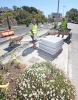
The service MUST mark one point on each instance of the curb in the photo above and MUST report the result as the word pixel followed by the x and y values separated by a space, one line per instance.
pixel 69 70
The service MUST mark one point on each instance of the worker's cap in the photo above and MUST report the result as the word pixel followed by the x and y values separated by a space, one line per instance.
pixel 63 17
pixel 33 20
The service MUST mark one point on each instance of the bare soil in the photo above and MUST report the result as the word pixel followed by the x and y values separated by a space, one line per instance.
pixel 10 73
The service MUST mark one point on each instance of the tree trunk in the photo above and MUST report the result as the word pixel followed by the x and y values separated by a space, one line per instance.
pixel 9 27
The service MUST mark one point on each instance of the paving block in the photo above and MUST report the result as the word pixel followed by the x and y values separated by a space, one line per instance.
pixel 51 44
pixel 50 50
pixel 52 41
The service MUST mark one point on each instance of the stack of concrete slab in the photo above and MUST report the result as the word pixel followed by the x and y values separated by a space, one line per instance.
pixel 51 44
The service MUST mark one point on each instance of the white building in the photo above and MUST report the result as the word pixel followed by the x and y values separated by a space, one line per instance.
pixel 54 15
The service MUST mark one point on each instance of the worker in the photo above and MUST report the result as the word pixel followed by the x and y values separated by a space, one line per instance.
pixel 33 32
pixel 63 27
pixel 55 25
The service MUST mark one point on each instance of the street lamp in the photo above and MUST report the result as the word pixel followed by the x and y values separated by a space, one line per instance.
pixel 58 12
pixel 63 10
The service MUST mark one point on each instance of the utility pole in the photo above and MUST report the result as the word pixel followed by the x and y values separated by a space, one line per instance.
pixel 63 10
pixel 58 12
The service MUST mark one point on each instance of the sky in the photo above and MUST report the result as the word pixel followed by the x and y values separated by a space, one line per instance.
pixel 47 6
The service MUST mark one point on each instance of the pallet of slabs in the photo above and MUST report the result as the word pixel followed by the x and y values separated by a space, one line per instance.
pixel 51 45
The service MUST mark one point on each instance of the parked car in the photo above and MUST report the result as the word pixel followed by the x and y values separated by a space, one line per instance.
pixel 72 21
pixel 48 24
pixel 76 22
pixel 42 26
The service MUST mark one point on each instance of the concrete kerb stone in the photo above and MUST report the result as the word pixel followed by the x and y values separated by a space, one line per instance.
pixel 70 69
pixel 66 62
pixel 9 54
pixel 69 66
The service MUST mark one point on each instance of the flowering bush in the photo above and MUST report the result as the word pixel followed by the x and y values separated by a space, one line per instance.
pixel 42 81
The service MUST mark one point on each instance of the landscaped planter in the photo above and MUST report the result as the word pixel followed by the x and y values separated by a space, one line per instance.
pixel 44 82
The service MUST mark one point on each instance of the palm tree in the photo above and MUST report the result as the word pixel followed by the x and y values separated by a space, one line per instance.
pixel 8 15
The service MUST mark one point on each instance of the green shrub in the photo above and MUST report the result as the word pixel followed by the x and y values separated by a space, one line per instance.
pixel 15 63
pixel 27 24
pixel 43 81
pixel 6 67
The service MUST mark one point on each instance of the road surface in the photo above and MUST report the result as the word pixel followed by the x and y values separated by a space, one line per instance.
pixel 73 57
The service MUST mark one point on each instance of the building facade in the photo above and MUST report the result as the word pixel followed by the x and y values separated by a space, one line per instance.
pixel 54 15
pixel 3 9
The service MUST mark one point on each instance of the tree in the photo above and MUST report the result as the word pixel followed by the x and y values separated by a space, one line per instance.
pixel 26 8
pixel 72 13
pixel 15 8
pixel 24 15
pixel 14 14
pixel 77 18
pixel 33 9
pixel 8 15
pixel 51 19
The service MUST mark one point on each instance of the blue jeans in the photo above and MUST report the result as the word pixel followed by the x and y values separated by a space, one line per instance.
pixel 34 38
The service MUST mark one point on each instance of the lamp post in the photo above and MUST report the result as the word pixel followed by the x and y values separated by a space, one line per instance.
pixel 63 10
pixel 58 12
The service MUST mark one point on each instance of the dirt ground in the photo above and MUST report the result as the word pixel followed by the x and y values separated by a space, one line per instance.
pixel 10 73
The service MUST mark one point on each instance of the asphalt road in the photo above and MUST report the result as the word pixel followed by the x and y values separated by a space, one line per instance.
pixel 73 57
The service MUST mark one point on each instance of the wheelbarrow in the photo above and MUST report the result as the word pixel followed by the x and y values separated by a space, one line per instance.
pixel 13 41
pixel 68 33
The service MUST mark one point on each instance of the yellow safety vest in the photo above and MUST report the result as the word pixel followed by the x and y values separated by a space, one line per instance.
pixel 63 25
pixel 55 24
pixel 34 29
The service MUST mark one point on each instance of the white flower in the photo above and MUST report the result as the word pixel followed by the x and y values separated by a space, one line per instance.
pixel 38 92
pixel 56 88
pixel 20 91
pixel 25 95
pixel 29 87
pixel 50 88
pixel 53 90
pixel 24 84
pixel 33 87
pixel 58 85
pixel 53 94
pixel 40 89
pixel 52 80
pixel 21 88
pixel 35 94
pixel 41 92
pixel 48 92
pixel 31 98
pixel 48 85
pixel 62 91
pixel 30 95
pixel 39 74
pixel 43 75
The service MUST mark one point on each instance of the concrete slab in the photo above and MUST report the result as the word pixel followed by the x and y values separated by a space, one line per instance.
pixel 51 44
pixel 49 49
